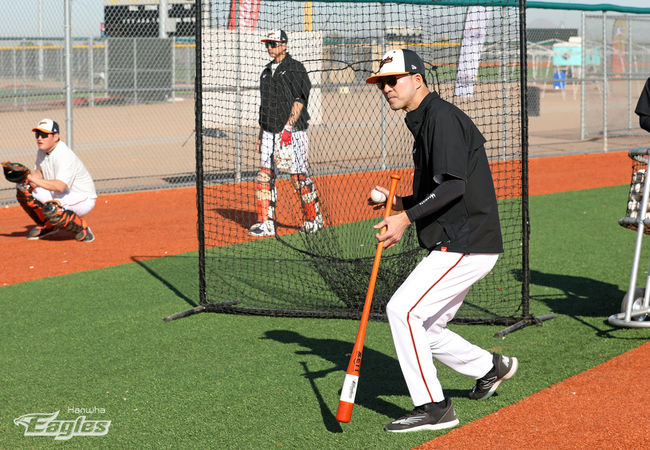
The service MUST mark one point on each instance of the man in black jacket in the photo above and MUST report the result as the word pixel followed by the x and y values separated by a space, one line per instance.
pixel 454 208
pixel 283 142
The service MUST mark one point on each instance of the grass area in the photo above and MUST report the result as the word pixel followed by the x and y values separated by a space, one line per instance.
pixel 96 339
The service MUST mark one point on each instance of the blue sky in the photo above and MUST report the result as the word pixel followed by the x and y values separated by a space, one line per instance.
pixel 20 17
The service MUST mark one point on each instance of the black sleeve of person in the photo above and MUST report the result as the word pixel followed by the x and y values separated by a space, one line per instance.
pixel 449 190
pixel 407 202
pixel 301 86
pixel 644 122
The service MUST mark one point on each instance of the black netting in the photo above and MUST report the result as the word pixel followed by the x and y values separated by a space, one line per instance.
pixel 355 141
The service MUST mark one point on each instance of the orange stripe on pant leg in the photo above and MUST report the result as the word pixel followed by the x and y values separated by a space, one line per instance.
pixel 417 356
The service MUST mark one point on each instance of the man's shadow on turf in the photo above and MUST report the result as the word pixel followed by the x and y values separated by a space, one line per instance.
pixel 579 297
pixel 380 375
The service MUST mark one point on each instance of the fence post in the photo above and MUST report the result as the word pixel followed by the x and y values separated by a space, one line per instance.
pixel 135 70
pixel 173 44
pixel 628 66
pixel 91 73
pixel 583 74
pixel 504 94
pixel 384 151
pixel 24 71
pixel 69 129
pixel 162 19
pixel 15 71
pixel 40 42
pixel 604 81
pixel 238 145
pixel 108 94
pixel 188 68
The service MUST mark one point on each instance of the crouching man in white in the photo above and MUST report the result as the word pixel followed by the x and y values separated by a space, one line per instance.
pixel 59 192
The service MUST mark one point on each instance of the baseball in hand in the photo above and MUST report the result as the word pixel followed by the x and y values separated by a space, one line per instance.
pixel 377 196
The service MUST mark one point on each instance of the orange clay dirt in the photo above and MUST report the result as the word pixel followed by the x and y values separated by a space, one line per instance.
pixel 572 414
pixel 142 225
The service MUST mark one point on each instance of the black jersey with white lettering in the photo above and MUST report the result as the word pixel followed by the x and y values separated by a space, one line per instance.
pixel 448 144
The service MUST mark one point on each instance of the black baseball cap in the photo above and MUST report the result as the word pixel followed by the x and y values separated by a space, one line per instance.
pixel 398 62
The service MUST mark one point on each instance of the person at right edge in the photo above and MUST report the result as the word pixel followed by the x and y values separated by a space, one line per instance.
pixel 643 107
pixel 454 207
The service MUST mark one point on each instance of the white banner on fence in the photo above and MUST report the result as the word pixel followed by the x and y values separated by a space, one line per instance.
pixel 471 49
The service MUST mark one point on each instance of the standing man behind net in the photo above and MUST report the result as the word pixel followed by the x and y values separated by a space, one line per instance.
pixel 283 142
pixel 454 208
pixel 60 191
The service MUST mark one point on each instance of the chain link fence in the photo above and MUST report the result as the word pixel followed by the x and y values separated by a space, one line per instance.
pixel 132 120
pixel 584 83
pixel 132 82
pixel 612 84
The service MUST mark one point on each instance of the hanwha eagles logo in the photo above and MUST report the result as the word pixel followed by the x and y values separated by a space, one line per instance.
pixel 385 61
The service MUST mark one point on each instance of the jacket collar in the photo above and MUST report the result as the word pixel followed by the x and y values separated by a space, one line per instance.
pixel 414 119
pixel 286 58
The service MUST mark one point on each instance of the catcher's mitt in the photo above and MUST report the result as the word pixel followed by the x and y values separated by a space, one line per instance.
pixel 15 172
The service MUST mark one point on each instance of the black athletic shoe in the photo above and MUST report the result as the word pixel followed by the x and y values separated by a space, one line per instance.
pixel 430 416
pixel 503 369
pixel 85 235
pixel 39 232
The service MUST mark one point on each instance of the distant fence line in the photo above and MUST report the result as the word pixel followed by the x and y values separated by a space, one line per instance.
pixel 24 63
pixel 602 69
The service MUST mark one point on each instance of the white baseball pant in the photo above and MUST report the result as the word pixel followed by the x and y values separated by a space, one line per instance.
pixel 418 313
pixel 80 204
pixel 300 142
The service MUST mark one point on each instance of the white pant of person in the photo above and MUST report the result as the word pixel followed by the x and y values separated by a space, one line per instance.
pixel 418 313
pixel 300 143
pixel 80 204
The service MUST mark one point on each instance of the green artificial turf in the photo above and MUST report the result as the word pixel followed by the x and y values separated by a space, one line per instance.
pixel 96 340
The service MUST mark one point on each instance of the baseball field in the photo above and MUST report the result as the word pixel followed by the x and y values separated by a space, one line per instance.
pixel 83 336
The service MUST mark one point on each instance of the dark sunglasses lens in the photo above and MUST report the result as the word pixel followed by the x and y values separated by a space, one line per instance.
pixel 40 134
pixel 271 44
pixel 390 81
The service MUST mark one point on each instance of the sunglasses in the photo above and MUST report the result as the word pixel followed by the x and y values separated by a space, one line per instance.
pixel 271 44
pixel 390 80
pixel 42 134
